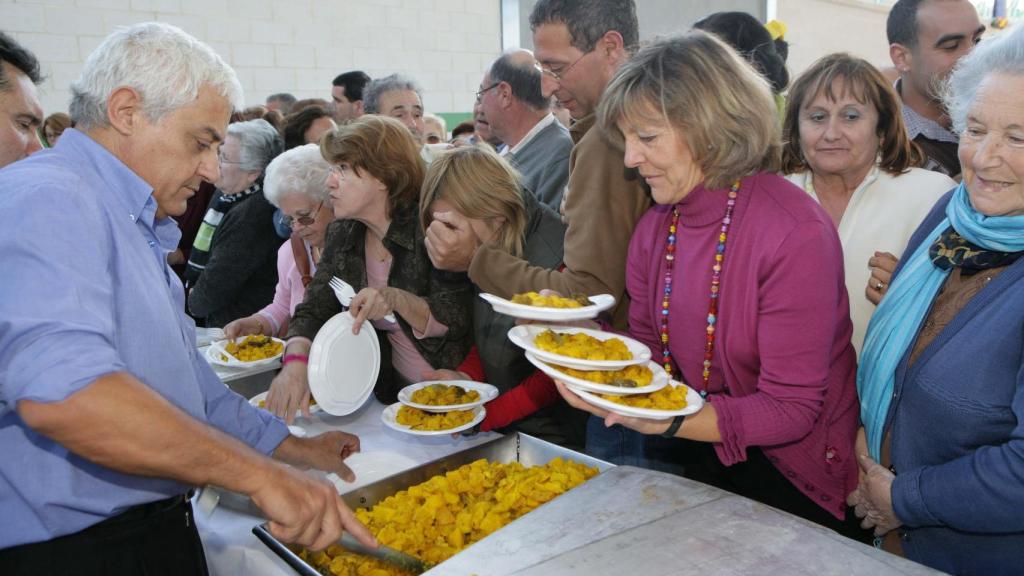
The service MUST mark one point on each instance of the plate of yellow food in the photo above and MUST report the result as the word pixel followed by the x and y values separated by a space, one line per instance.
pixel 551 308
pixel 579 348
pixel 414 421
pixel 248 351
pixel 260 401
pixel 675 399
pixel 447 395
pixel 635 379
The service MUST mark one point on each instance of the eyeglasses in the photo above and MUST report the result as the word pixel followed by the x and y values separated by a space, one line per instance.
pixel 559 75
pixel 480 94
pixel 304 219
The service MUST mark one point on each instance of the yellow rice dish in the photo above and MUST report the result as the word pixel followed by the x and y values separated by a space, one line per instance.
pixel 442 516
pixel 668 398
pixel 536 299
pixel 582 346
pixel 444 395
pixel 427 421
pixel 254 347
pixel 635 376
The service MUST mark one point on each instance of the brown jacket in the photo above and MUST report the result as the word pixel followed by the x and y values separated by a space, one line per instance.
pixel 605 202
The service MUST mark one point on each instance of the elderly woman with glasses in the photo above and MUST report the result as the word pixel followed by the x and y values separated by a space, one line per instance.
pixel 941 377
pixel 232 269
pixel 296 183
pixel 376 245
pixel 736 280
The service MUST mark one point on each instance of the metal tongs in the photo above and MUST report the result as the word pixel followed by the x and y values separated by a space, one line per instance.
pixel 209 498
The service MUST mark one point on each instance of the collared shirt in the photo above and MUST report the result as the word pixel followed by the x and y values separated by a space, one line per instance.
pixel 542 124
pixel 919 125
pixel 88 292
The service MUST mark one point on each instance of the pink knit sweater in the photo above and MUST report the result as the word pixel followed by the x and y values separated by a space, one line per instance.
pixel 783 372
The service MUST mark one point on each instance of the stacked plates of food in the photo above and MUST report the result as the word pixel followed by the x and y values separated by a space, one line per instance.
pixel 439 407
pixel 246 351
pixel 551 307
pixel 607 370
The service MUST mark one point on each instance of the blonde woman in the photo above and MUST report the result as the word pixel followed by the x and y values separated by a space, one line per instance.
pixel 478 185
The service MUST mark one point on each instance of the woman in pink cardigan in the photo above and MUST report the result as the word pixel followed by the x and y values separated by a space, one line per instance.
pixel 296 182
pixel 738 270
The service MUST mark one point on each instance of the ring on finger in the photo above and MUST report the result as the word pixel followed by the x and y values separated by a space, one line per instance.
pixel 879 285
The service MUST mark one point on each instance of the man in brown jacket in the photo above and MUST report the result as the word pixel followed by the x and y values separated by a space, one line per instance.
pixel 579 46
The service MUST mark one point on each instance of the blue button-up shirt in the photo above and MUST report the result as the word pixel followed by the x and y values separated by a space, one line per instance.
pixel 87 292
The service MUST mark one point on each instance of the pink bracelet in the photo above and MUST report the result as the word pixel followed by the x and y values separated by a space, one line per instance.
pixel 295 358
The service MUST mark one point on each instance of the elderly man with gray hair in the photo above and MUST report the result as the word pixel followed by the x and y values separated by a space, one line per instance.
pixel 232 271
pixel 399 97
pixel 511 102
pixel 108 416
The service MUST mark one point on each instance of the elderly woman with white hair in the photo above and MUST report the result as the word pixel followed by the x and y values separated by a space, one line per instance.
pixel 232 270
pixel 296 183
pixel 941 377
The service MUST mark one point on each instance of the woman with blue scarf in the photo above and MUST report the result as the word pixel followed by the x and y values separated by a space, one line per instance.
pixel 941 378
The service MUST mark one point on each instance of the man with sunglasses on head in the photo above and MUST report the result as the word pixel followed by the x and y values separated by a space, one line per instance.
pixel 579 45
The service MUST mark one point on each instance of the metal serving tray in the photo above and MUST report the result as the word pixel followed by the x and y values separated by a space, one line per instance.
pixel 517 447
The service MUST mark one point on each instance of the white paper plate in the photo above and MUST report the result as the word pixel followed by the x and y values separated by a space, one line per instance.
pixel 658 381
pixel 487 393
pixel 523 336
pixel 693 403
pixel 601 302
pixel 216 354
pixel 262 397
pixel 343 367
pixel 390 414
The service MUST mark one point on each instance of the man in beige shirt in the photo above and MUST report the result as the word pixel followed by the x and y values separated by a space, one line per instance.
pixel 579 46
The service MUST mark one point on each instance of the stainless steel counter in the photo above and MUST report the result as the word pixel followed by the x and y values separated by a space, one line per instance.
pixel 630 521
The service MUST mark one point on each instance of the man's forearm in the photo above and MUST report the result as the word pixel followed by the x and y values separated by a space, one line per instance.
pixel 120 423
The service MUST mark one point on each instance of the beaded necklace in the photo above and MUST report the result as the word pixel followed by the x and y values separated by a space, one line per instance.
pixel 716 281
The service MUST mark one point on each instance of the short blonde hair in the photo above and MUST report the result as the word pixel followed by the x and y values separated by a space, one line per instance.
pixel 715 99
pixel 482 186
pixel 382 147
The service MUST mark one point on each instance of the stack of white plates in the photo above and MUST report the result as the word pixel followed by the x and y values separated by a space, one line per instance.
pixel 487 393
pixel 551 364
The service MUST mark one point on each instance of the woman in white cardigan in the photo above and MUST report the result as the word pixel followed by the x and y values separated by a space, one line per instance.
pixel 847 146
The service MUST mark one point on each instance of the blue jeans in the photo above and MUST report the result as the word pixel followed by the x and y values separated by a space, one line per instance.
pixel 624 447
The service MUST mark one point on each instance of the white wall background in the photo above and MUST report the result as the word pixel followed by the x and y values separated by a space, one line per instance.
pixel 295 46
pixel 819 27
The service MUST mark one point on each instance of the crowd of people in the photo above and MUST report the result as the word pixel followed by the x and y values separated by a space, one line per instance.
pixel 831 262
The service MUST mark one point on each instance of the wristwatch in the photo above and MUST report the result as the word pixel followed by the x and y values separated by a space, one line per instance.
pixel 673 427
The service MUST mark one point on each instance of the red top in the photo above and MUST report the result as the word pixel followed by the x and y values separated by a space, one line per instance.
pixel 535 392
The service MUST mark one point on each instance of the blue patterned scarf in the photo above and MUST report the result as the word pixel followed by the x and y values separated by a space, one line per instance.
pixel 895 322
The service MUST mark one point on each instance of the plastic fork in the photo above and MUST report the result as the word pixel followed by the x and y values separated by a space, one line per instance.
pixel 344 292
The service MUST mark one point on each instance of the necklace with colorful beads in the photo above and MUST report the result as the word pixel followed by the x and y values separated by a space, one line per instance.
pixel 716 282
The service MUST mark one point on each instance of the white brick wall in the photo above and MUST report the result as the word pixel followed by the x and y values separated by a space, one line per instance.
pixel 295 46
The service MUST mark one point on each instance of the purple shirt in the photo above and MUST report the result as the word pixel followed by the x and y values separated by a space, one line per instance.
pixel 87 291
pixel 783 371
